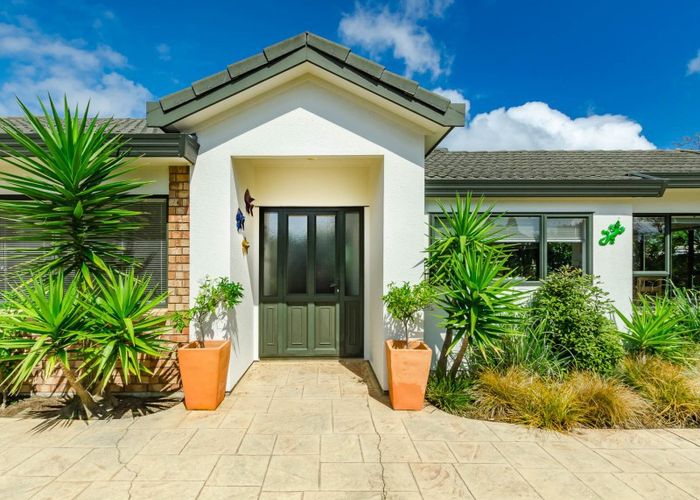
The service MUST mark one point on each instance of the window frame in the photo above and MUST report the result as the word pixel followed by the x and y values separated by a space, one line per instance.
pixel 543 217
pixel 668 218
pixel 165 199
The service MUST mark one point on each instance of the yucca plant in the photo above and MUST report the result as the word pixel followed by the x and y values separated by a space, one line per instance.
pixel 655 327
pixel 45 324
pixel 687 304
pixel 465 227
pixel 481 303
pixel 70 169
pixel 121 329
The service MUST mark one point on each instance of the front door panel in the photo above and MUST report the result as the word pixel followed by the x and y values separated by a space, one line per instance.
pixel 311 282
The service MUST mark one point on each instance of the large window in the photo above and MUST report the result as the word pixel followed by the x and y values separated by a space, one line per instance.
pixel 666 249
pixel 541 244
pixel 148 245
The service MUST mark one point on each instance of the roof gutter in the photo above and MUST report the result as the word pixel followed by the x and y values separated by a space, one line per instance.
pixel 168 145
pixel 633 187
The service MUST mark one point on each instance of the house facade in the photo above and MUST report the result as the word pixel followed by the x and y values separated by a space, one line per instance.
pixel 309 174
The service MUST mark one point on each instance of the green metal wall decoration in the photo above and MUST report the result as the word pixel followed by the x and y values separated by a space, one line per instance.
pixel 612 232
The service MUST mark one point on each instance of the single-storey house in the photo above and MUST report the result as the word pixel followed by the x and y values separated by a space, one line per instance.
pixel 335 163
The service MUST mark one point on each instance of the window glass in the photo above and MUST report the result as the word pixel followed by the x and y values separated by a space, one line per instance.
pixel 522 233
pixel 352 253
pixel 685 251
pixel 649 243
pixel 297 229
pixel 270 239
pixel 325 268
pixel 566 242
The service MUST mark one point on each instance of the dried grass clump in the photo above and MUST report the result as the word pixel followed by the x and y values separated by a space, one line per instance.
pixel 584 399
pixel 673 392
pixel 606 402
pixel 519 397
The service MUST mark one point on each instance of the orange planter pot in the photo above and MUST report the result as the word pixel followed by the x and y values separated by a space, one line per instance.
pixel 203 371
pixel 408 373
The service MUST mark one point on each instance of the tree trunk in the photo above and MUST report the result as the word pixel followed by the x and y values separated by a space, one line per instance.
pixel 457 363
pixel 442 360
pixel 85 397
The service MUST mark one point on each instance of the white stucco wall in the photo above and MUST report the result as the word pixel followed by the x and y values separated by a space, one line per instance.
pixel 611 263
pixel 363 156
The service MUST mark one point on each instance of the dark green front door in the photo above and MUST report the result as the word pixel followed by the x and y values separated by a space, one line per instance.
pixel 311 282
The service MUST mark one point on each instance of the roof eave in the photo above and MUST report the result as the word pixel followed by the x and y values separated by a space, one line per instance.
pixel 547 188
pixel 166 145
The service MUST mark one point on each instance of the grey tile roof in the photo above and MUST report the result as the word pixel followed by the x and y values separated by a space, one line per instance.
pixel 305 47
pixel 121 125
pixel 444 165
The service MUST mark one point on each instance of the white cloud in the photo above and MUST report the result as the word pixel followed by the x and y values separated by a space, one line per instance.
pixel 163 50
pixel 694 64
pixel 41 64
pixel 400 32
pixel 535 125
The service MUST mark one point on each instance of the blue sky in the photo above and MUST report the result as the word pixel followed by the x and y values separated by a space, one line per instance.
pixel 536 74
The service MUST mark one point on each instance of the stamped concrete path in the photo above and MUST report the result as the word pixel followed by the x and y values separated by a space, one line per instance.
pixel 317 430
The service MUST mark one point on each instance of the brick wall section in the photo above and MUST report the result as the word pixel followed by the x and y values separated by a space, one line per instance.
pixel 166 376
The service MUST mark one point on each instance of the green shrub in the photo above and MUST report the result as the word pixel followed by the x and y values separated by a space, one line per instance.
pixel 606 402
pixel 452 395
pixel 213 295
pixel 404 302
pixel 527 347
pixel 687 305
pixel 577 312
pixel 673 393
pixel 655 328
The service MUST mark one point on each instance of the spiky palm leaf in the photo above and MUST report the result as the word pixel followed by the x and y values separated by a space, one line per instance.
pixel 70 169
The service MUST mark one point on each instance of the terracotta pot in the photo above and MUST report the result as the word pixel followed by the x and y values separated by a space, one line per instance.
pixel 203 371
pixel 408 373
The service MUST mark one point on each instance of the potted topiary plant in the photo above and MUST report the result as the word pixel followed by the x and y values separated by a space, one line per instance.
pixel 408 361
pixel 204 363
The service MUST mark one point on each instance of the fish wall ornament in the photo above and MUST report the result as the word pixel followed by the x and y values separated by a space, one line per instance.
pixel 240 220
pixel 611 233
pixel 248 202
pixel 245 245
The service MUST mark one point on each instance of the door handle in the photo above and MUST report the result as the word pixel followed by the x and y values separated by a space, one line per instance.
pixel 335 285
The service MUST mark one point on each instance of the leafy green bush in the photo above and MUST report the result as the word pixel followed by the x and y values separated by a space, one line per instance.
pixel 576 312
pixel 452 395
pixel 83 330
pixel 404 302
pixel 671 390
pixel 214 294
pixel 527 346
pixel 655 327
pixel 687 304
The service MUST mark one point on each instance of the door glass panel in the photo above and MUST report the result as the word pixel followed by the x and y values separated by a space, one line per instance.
pixel 297 228
pixel 270 235
pixel 352 254
pixel 325 279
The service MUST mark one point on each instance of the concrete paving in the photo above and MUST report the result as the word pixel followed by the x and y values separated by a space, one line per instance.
pixel 323 430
